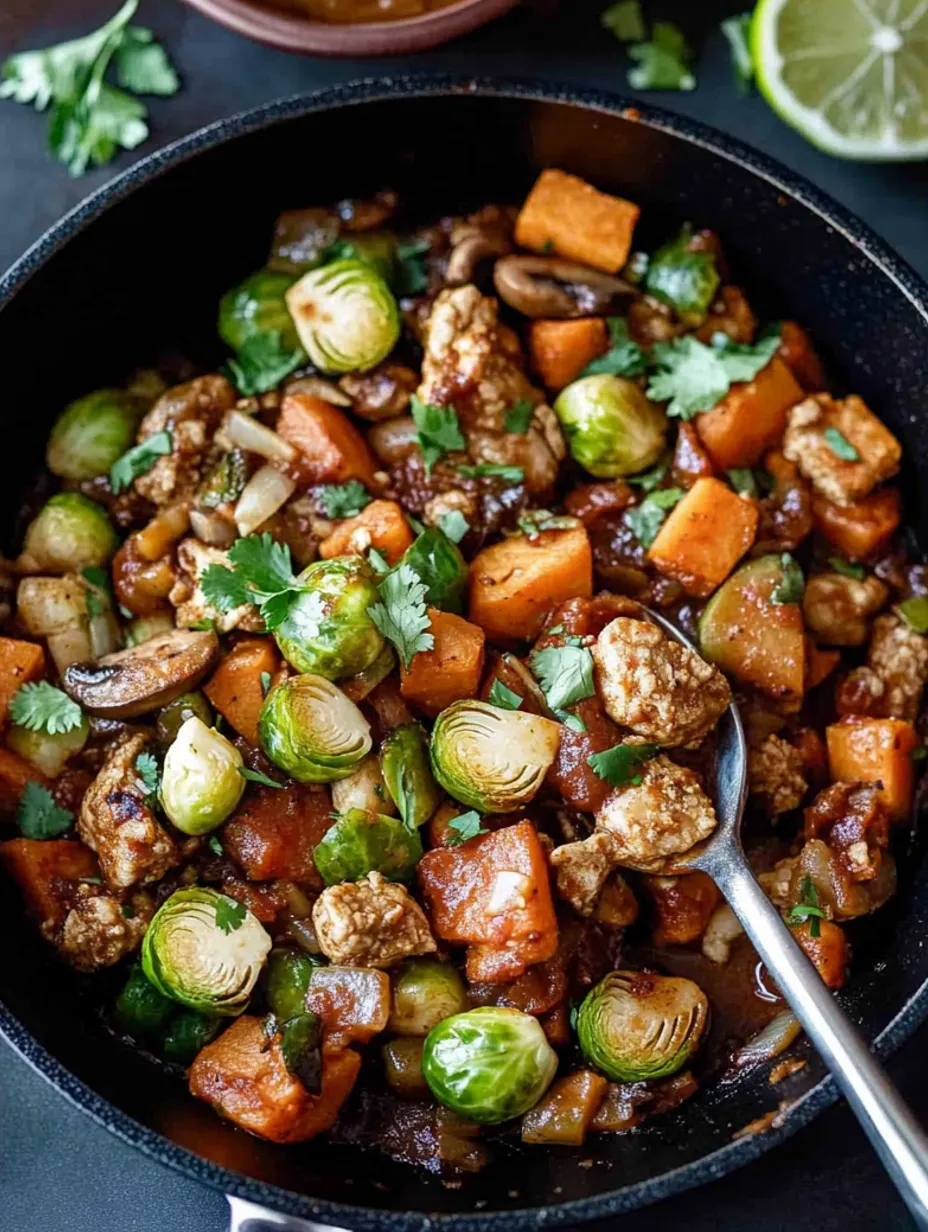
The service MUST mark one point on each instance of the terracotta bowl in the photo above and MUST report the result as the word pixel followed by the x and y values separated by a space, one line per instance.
pixel 291 32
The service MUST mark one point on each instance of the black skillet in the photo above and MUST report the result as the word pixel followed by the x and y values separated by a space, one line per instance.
pixel 137 270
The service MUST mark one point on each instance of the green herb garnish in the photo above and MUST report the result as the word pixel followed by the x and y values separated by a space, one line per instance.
pixel 40 707
pixel 344 500
pixel 617 765
pixel 139 460
pixel 39 816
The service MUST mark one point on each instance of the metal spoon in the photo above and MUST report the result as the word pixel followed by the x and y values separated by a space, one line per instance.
pixel 893 1131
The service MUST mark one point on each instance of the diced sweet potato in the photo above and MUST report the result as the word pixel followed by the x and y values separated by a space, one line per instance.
pixel 46 870
pixel 330 447
pixel 513 583
pixel 827 952
pixel 274 832
pixel 381 525
pixel 246 1080
pixel 560 350
pixel 797 351
pixel 492 893
pixel 750 418
pixel 236 688
pixel 819 663
pixel 875 751
pixel 450 670
pixel 704 536
pixel 20 663
pixel 859 529
pixel 562 1117
pixel 566 215
pixel 353 1002
pixel 690 460
pixel 15 773
pixel 682 906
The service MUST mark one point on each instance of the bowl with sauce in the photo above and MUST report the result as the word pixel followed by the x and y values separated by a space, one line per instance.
pixel 352 27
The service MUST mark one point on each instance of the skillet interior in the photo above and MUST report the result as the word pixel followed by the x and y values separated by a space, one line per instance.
pixel 145 277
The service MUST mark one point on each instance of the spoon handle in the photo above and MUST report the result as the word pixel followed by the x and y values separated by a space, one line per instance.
pixel 893 1131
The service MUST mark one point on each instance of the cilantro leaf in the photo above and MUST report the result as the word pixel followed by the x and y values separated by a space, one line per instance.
pixel 453 525
pixel 265 683
pixel 504 698
pixel 651 479
pixel 624 357
pixel 98 597
pixel 846 568
pixel 264 562
pixel 40 707
pixel 377 561
pixel 742 479
pixel 646 519
pixel 262 362
pixel 39 816
pixel 493 470
pixel 840 446
pixel 565 674
pixel 792 584
pixel 625 21
pixel 412 274
pixel 147 766
pixel 914 611
pixel 737 31
pixel 215 846
pixel 142 64
pixel 617 765
pixel 91 130
pixel 255 776
pixel 230 915
pixel 519 416
pixel 262 574
pixel 663 63
pixel 139 460
pixel 463 827
pixel 224 589
pixel 534 521
pixel 401 615
pixel 573 721
pixel 344 500
pixel 693 377
pixel 808 908
pixel 438 428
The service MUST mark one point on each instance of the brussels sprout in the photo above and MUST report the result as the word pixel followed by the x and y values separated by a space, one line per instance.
pixel 405 763
pixel 402 1067
pixel 635 1026
pixel 201 782
pixel 442 568
pixel 685 278
pixel 328 631
pixel 70 533
pixel 289 971
pixel 492 760
pixel 345 315
pixel 360 843
pixel 425 992
pixel 205 950
pixel 91 433
pixel 363 789
pixel 488 1065
pixel 257 306
pixel 140 1008
pixel 611 427
pixel 225 482
pixel 309 728
pixel 47 752
pixel 301 1048
pixel 188 1032
pixel 176 713
pixel 374 248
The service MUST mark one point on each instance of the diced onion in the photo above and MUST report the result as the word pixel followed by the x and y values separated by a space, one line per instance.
pixel 56 609
pixel 212 528
pixel 244 432
pixel 318 387
pixel 264 494
pixel 769 1042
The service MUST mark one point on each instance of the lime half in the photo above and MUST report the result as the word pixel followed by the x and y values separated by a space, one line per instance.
pixel 850 75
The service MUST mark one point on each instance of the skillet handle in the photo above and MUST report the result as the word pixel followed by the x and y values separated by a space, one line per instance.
pixel 888 1122
pixel 247 1217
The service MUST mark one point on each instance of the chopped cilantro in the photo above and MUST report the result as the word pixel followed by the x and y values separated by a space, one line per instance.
pixel 493 470
pixel 791 585
pixel 204 625
pixel 40 707
pixel 262 574
pixel 663 63
pixel 230 915
pixel 39 816
pixel 438 428
pixel 255 776
pixel 625 21
pixel 262 362
pixel 344 500
pixel 646 519
pixel 503 697
pixel 412 273
pixel 377 561
pixel 215 846
pixel 147 766
pixel 519 416
pixel 691 377
pixel 651 479
pixel 624 357
pixel 565 674
pixel 914 612
pixel 737 31
pixel 573 721
pixel 847 568
pixel 742 479
pixel 617 765
pixel 265 683
pixel 534 521
pixel 139 460
pixel 808 908
pixel 99 597
pixel 463 827
pixel 453 525
pixel 401 615
pixel 840 446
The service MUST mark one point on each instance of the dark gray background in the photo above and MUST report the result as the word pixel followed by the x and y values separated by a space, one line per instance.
pixel 58 1171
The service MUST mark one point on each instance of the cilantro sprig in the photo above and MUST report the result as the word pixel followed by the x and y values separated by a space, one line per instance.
pixel 565 674
pixel 230 914
pixel 792 583
pixel 39 816
pixel 146 765
pixel 737 31
pixel 624 357
pixel 617 765
pixel 663 62
pixel 463 827
pixel 808 908
pixel 401 615
pixel 646 519
pixel 691 377
pixel 262 362
pixel 344 500
pixel 40 707
pixel 519 416
pixel 262 574
pixel 453 525
pixel 503 697
pixel 139 460
pixel 493 470
pixel 439 430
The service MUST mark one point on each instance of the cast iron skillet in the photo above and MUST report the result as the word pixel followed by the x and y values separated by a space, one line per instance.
pixel 138 269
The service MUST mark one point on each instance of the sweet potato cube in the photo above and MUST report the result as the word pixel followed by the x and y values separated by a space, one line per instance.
pixel 20 663
pixel 45 870
pixel 751 417
pixel 330 447
pixel 515 582
pixel 15 773
pixel 875 751
pixel 862 528
pixel 381 525
pixel 353 1002
pixel 704 536
pixel 560 350
pixel 274 832
pixel 797 351
pixel 563 1115
pixel 567 215
pixel 450 670
pixel 236 688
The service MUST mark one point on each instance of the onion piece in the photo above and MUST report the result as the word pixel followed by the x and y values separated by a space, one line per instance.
pixel 212 528
pixel 264 494
pixel 769 1041
pixel 328 391
pixel 244 432
pixel 56 609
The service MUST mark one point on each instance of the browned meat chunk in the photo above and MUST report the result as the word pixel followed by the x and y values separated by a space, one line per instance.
pixel 841 447
pixel 370 923
pixel 854 822
pixel 99 930
pixel 581 870
pixel 382 393
pixel 191 413
pixel 838 609
pixel 775 774
pixel 892 683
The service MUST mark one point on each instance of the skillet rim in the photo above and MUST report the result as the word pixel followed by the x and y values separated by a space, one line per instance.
pixel 423 85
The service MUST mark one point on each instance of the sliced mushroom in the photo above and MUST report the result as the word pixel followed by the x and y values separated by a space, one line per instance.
pixel 144 678
pixel 470 250
pixel 553 287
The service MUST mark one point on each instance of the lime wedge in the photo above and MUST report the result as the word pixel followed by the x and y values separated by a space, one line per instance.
pixel 850 75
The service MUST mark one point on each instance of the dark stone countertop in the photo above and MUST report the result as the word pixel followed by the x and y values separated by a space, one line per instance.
pixel 58 1171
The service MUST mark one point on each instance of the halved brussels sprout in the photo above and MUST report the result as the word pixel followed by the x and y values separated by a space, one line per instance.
pixel 635 1026
pixel 442 568
pixel 188 1032
pixel 405 763
pixel 289 971
pixel 345 315
pixel 205 950
pixel 425 992
pixel 70 533
pixel 257 306
pixel 48 753
pixel 611 427
pixel 201 782
pixel 683 276
pixel 328 631
pixel 360 843
pixel 492 760
pixel 488 1065
pixel 176 713
pixel 91 433
pixel 309 728
pixel 140 1008
pixel 363 789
